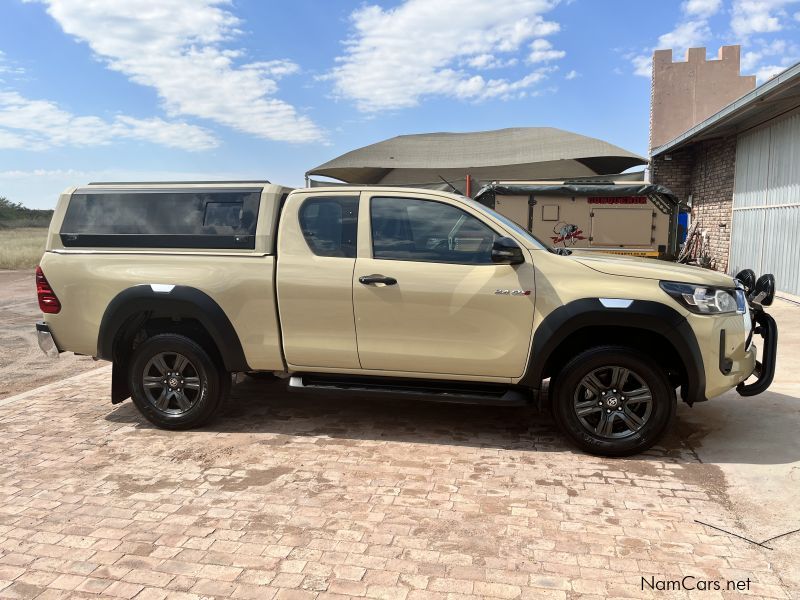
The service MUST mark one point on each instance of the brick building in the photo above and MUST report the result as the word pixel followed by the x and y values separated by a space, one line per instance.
pixel 732 153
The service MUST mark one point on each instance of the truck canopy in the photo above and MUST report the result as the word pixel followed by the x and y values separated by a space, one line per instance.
pixel 661 196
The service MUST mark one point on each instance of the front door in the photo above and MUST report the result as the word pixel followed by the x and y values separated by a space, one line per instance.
pixel 428 299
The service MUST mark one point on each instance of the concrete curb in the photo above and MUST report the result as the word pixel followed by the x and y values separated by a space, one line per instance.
pixel 56 385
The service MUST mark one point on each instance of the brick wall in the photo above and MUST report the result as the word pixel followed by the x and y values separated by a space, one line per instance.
pixel 675 173
pixel 712 195
pixel 705 171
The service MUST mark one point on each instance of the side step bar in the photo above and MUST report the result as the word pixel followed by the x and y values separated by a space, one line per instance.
pixel 455 392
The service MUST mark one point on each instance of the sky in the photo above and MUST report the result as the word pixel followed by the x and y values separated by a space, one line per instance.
pixel 246 89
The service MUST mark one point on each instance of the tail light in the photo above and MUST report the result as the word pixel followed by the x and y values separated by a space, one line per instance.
pixel 48 302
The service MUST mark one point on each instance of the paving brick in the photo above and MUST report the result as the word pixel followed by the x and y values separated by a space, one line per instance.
pixel 66 582
pixel 304 498
pixel 93 586
pixel 498 590
pixel 122 589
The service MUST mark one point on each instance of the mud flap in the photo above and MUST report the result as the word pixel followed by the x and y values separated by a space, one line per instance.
pixel 119 384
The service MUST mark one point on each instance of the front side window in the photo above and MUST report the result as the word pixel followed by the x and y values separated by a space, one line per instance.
pixel 330 225
pixel 428 231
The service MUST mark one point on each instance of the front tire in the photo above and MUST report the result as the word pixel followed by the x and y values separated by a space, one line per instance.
pixel 612 401
pixel 174 383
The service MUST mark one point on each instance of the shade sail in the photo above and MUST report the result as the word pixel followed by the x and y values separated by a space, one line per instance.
pixel 517 153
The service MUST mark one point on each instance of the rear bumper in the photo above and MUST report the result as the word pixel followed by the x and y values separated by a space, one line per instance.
pixel 46 342
pixel 766 327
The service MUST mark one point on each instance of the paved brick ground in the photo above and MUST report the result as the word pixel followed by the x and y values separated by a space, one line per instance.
pixel 291 496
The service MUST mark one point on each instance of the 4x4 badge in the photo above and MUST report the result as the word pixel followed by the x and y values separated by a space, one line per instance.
pixel 512 292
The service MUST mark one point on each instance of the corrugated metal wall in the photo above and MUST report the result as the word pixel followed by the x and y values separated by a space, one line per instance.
pixel 765 233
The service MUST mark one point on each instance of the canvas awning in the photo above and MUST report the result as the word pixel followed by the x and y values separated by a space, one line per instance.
pixel 517 153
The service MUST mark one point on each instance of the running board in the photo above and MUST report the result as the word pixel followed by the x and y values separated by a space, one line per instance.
pixel 456 392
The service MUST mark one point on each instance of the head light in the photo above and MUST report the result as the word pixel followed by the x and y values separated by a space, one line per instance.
pixel 706 300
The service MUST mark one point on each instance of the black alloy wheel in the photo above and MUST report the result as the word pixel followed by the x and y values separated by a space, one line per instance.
pixel 175 383
pixel 171 382
pixel 613 400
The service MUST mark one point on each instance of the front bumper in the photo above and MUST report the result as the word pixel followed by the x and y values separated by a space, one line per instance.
pixel 766 327
pixel 46 342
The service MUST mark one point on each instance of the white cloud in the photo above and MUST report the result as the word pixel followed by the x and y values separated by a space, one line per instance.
pixel 769 71
pixel 643 65
pixel 177 48
pixel 542 51
pixel 691 32
pixel 760 55
pixel 702 8
pixel 758 16
pixel 12 141
pixel 39 188
pixel 573 74
pixel 500 88
pixel 779 53
pixel 41 124
pixel 50 173
pixel 395 57
pixel 7 68
pixel 489 61
pixel 751 58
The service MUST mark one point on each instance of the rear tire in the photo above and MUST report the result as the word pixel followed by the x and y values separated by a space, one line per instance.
pixel 613 401
pixel 174 383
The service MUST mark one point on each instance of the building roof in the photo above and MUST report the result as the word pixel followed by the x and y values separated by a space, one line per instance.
pixel 510 149
pixel 771 99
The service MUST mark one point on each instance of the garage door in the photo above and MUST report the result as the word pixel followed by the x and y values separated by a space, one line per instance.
pixel 766 203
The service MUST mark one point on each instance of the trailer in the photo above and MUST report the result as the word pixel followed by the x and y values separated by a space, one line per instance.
pixel 617 217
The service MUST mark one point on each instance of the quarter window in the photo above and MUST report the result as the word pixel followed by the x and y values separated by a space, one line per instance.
pixel 428 231
pixel 330 225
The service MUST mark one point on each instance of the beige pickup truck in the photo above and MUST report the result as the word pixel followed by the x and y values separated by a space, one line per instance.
pixel 385 291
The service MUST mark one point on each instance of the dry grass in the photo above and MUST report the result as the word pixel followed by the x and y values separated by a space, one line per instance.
pixel 21 248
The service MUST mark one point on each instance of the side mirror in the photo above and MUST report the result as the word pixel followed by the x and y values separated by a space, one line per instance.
pixel 505 251
pixel 747 278
pixel 764 291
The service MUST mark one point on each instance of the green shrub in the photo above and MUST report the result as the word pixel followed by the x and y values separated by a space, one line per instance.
pixel 13 214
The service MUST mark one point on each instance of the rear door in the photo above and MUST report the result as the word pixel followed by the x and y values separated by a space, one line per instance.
pixel 316 257
pixel 625 227
pixel 427 297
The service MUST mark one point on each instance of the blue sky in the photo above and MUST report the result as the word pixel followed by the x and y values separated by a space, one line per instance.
pixel 188 89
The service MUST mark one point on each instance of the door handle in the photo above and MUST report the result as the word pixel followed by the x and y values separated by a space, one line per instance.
pixel 372 279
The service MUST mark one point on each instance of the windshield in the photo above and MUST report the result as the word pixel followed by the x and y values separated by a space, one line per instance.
pixel 510 224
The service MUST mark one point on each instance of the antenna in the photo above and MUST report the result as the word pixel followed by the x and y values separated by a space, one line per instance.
pixel 454 188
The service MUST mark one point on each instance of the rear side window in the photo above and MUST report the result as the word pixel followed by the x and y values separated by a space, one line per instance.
pixel 330 225
pixel 217 219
